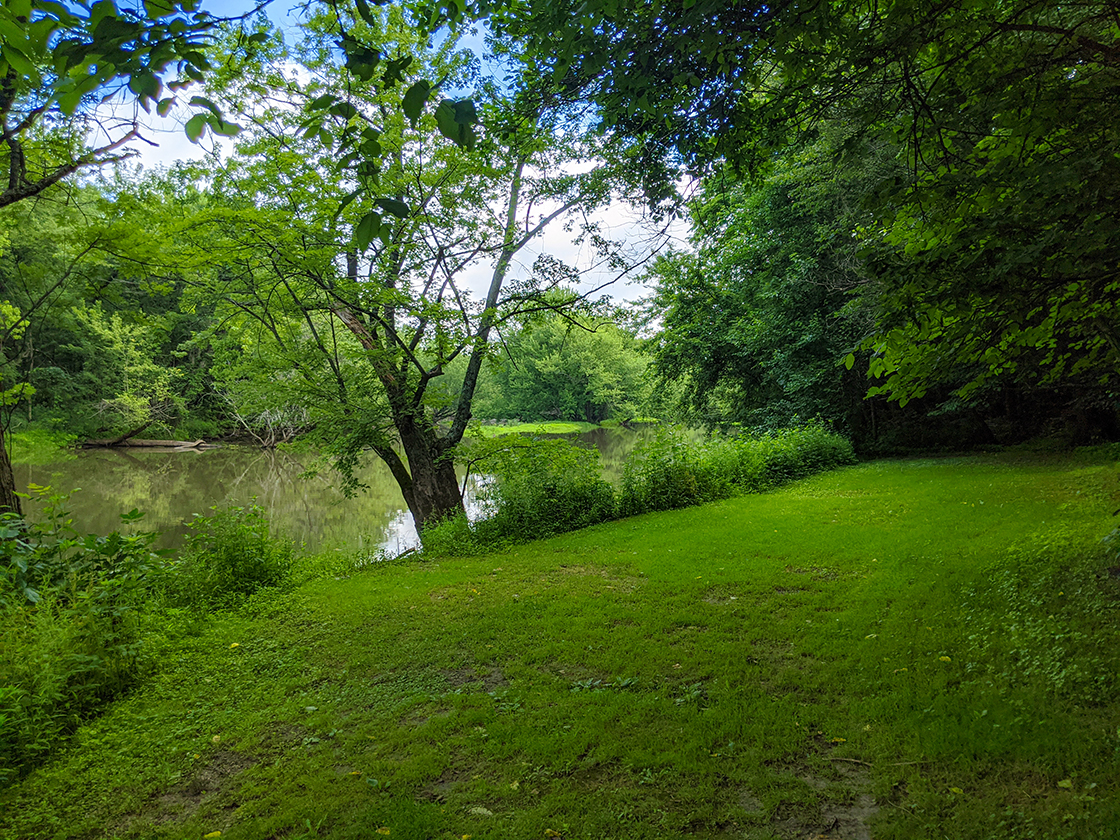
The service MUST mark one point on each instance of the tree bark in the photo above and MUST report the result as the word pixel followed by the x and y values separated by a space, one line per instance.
pixel 8 498
pixel 432 491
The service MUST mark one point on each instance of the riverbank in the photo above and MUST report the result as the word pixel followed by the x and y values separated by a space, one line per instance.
pixel 905 648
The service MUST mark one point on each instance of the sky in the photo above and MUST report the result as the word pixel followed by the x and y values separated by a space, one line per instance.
pixel 167 143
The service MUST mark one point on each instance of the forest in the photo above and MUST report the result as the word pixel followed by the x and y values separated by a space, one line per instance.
pixel 867 231
pixel 900 225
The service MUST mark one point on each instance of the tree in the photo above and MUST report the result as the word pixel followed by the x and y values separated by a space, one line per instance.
pixel 567 366
pixel 357 319
pixel 58 62
pixel 996 254
pixel 751 320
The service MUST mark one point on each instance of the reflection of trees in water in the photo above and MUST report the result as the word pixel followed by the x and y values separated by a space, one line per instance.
pixel 615 446
pixel 170 487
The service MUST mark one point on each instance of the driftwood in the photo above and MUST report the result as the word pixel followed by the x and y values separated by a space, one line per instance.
pixel 162 444
pixel 127 435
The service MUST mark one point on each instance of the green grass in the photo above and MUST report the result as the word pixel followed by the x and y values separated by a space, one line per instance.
pixel 927 648
pixel 555 427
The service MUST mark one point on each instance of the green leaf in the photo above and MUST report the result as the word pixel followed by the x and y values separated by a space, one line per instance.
pixel 195 126
pixel 158 8
pixel 224 127
pixel 465 113
pixel 19 62
pixel 393 205
pixel 849 360
pixel 414 100
pixel 347 201
pixel 367 228
pixel 163 108
pixel 203 102
pixel 454 121
pixel 364 11
pixel 344 110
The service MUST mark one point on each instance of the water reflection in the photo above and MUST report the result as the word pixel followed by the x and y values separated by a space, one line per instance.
pixel 170 487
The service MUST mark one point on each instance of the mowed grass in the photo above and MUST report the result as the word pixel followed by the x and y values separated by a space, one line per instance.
pixel 903 649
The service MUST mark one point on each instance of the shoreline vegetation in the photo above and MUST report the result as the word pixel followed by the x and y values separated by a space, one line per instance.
pixel 885 649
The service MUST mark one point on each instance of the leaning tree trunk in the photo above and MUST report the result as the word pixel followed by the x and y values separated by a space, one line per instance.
pixel 432 492
pixel 8 498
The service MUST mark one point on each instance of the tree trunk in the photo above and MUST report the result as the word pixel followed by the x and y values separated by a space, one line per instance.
pixel 432 492
pixel 8 498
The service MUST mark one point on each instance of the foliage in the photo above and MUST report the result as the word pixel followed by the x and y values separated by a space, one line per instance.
pixel 566 367
pixel 673 469
pixel 229 555
pixel 754 320
pixel 1036 621
pixel 536 488
pixel 359 333
pixel 531 488
pixel 542 487
pixel 104 341
pixel 71 610
pixel 991 247
pixel 58 61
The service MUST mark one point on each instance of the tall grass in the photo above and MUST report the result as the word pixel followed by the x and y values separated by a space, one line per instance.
pixel 544 487
pixel 71 611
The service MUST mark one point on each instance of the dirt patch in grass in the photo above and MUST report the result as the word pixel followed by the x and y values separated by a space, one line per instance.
pixel 443 785
pixel 214 778
pixel 815 572
pixel 280 737
pixel 842 810
pixel 723 596
pixel 491 679
pixel 615 582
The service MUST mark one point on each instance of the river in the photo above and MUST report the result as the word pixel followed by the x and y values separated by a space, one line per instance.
pixel 169 488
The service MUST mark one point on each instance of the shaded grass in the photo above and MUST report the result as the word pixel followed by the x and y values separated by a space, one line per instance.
pixel 893 645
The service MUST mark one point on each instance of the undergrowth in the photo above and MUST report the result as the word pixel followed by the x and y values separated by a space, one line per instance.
pixel 538 488
pixel 80 615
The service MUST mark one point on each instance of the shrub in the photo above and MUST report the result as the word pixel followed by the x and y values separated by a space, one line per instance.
pixel 229 555
pixel 668 471
pixel 673 469
pixel 71 611
pixel 535 488
pixel 545 487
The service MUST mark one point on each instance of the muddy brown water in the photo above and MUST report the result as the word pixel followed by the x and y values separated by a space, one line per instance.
pixel 171 487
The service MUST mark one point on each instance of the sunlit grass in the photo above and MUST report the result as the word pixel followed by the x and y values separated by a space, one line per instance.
pixel 556 427
pixel 927 647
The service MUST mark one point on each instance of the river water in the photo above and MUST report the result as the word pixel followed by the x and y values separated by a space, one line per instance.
pixel 171 487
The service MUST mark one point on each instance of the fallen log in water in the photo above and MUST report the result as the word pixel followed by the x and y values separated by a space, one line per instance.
pixel 127 443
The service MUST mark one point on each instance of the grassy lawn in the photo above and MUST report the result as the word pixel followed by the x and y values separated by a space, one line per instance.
pixel 903 649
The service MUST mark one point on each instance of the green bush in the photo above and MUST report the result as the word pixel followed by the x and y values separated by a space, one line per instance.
pixel 669 470
pixel 534 489
pixel 71 614
pixel 539 488
pixel 674 469
pixel 228 556
pixel 545 487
